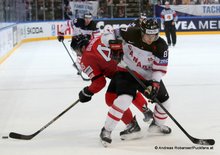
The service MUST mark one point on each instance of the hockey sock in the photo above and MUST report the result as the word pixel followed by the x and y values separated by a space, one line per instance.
pixel 159 114
pixel 127 116
pixel 110 97
pixel 117 110
pixel 139 101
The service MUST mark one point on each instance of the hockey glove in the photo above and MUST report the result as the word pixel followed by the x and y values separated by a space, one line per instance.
pixel 85 95
pixel 116 49
pixel 152 90
pixel 60 37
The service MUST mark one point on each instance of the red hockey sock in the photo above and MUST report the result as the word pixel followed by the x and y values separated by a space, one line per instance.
pixel 139 101
pixel 109 98
pixel 127 116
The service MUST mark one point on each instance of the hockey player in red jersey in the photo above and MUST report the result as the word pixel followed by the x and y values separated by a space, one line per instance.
pixel 85 25
pixel 96 62
pixel 146 54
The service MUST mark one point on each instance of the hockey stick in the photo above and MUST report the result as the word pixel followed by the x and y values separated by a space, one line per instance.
pixel 28 137
pixel 193 139
pixel 74 64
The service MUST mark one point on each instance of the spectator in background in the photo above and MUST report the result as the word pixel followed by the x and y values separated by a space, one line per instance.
pixel 185 2
pixel 67 13
pixel 149 9
pixel 162 2
pixel 121 8
pixel 177 2
pixel 110 8
pixel 76 13
pixel 168 19
pixel 101 12
pixel 66 2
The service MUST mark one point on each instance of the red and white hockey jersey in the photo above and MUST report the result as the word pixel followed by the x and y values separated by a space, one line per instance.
pixel 97 64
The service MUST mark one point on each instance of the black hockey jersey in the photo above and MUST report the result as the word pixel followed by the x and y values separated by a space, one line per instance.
pixel 78 26
pixel 80 23
pixel 132 35
pixel 135 23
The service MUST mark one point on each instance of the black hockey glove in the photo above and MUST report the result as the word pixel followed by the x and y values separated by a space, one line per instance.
pixel 85 95
pixel 60 37
pixel 152 90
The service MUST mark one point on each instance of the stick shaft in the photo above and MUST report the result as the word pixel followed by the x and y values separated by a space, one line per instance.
pixel 28 137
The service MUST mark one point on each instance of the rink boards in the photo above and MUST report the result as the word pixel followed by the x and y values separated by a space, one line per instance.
pixel 16 34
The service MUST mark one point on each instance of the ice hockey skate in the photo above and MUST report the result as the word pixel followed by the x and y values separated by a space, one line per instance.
pixel 159 129
pixel 132 131
pixel 148 114
pixel 105 137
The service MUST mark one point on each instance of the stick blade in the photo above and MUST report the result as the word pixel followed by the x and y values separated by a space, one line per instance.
pixel 20 136
pixel 203 141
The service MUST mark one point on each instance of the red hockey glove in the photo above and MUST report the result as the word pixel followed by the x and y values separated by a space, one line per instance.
pixel 60 37
pixel 116 49
pixel 152 90
pixel 85 95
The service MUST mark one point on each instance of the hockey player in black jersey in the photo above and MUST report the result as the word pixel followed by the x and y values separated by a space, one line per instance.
pixel 146 54
pixel 137 22
pixel 84 25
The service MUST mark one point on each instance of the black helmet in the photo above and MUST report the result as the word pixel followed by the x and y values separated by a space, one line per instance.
pixel 149 26
pixel 79 41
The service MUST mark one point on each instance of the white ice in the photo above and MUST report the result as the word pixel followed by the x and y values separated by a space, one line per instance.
pixel 38 82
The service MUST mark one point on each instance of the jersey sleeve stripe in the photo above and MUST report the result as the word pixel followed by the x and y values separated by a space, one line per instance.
pixel 156 70
pixel 159 68
pixel 160 64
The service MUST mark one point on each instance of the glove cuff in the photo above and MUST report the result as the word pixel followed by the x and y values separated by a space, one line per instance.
pixel 87 93
pixel 156 84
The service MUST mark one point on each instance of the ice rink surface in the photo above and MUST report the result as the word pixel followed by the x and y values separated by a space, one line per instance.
pixel 37 82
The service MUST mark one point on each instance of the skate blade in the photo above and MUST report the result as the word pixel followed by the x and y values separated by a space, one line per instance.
pixel 135 135
pixel 105 144
pixel 156 131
